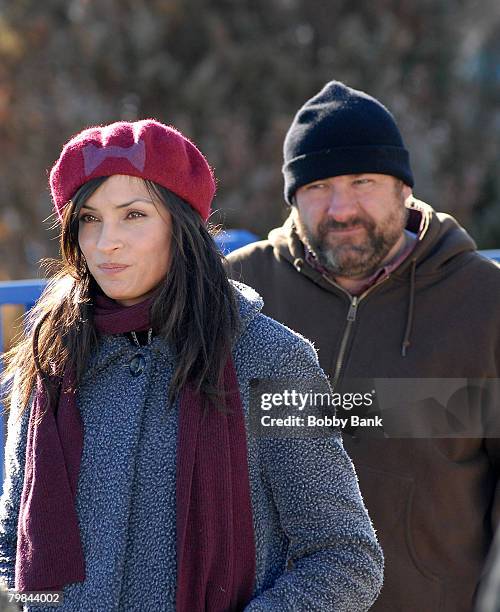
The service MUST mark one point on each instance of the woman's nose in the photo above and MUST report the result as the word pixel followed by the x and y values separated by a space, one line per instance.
pixel 109 238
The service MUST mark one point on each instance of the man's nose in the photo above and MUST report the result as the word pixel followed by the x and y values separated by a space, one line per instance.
pixel 341 204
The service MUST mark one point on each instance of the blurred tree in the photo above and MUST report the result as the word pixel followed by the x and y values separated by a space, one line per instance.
pixel 231 75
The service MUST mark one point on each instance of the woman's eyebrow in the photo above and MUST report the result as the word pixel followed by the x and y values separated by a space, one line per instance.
pixel 124 205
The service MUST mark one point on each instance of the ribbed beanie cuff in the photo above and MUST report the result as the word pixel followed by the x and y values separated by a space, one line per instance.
pixel 342 131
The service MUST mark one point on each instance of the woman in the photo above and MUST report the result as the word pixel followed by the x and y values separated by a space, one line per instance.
pixel 133 481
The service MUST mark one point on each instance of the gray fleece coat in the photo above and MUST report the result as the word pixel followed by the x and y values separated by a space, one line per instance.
pixel 315 545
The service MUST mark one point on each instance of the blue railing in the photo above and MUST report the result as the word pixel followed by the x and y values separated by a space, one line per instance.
pixel 21 292
pixel 26 292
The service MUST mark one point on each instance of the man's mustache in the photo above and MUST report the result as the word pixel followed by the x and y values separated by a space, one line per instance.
pixel 333 224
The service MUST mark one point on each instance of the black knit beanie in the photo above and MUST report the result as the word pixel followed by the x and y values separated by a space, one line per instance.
pixel 342 131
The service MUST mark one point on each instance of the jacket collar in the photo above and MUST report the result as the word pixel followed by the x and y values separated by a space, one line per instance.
pixel 249 304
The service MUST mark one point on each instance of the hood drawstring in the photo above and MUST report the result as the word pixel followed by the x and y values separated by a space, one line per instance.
pixel 411 307
pixel 298 263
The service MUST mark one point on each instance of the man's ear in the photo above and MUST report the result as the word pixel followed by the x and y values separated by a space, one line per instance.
pixel 407 191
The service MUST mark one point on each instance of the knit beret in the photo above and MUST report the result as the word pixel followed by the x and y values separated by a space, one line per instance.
pixel 146 149
pixel 342 131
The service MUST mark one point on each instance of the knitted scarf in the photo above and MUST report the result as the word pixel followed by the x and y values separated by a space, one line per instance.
pixel 215 560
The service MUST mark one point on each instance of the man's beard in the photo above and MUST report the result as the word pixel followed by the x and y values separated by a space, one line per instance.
pixel 351 256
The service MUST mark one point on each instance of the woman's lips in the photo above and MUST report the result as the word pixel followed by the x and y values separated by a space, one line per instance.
pixel 112 268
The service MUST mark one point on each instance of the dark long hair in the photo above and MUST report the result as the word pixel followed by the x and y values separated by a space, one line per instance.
pixel 194 310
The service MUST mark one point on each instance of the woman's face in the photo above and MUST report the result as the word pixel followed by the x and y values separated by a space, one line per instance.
pixel 125 237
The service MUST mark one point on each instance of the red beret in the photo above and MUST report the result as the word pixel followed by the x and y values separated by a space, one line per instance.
pixel 146 149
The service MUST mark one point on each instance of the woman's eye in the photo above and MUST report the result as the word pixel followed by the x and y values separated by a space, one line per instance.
pixel 135 214
pixel 86 218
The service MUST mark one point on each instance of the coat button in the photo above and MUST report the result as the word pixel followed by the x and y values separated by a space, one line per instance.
pixel 137 365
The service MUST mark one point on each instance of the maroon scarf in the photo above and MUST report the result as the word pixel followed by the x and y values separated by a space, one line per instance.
pixel 215 559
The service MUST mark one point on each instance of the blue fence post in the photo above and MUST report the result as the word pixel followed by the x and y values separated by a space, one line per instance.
pixel 24 293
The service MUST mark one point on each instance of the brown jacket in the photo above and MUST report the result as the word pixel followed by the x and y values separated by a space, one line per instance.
pixel 433 501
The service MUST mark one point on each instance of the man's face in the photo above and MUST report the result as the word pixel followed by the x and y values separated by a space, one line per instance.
pixel 353 223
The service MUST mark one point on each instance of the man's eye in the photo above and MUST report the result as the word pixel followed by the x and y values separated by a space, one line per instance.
pixel 363 181
pixel 316 186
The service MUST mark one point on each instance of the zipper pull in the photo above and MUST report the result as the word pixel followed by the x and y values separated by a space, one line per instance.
pixel 351 315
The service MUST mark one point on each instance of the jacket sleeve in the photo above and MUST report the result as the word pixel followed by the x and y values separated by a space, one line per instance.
pixel 15 454
pixel 334 560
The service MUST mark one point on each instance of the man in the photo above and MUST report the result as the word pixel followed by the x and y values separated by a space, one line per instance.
pixel 387 288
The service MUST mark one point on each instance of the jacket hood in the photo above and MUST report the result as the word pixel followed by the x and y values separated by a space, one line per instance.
pixel 440 240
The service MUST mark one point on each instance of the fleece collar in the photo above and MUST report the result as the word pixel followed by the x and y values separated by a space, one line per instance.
pixel 249 304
